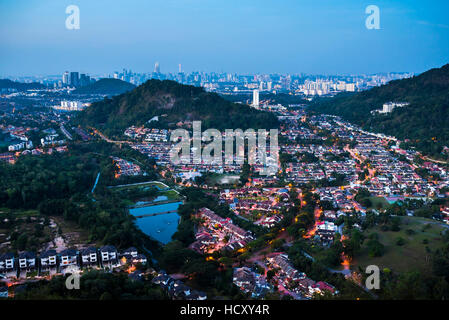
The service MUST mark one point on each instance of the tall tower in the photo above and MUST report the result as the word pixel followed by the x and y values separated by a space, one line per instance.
pixel 65 78
pixel 179 68
pixel 157 68
pixel 255 98
pixel 74 79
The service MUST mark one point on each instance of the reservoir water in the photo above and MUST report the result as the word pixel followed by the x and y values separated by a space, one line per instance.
pixel 160 227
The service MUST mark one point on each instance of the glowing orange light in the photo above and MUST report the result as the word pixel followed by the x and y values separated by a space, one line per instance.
pixel 131 269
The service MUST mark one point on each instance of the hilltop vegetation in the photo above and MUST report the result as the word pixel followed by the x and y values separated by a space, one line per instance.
pixel 424 121
pixel 171 102
pixel 19 86
pixel 106 86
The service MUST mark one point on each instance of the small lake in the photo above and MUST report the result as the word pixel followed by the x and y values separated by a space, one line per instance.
pixel 160 227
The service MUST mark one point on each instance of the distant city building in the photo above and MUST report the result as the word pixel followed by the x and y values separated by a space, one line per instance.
pixel 65 78
pixel 74 79
pixel 157 68
pixel 70 106
pixel 255 98
pixel 390 106
pixel 350 87
pixel 84 80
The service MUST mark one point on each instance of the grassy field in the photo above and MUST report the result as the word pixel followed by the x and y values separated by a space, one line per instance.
pixel 140 185
pixel 413 255
pixel 163 191
pixel 170 194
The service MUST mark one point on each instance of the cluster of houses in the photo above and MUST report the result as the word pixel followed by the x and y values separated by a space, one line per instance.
pixel 147 134
pixel 303 173
pixel 251 282
pixel 326 231
pixel 445 214
pixel 260 205
pixel 21 145
pixel 159 151
pixel 26 145
pixel 16 132
pixel 8 157
pixel 176 288
pixel 392 175
pixel 330 160
pixel 52 140
pixel 389 175
pixel 52 262
pixel 126 168
pixel 295 282
pixel 346 168
pixel 293 130
pixel 216 233
pixel 340 197
pixel 155 144
pixel 41 151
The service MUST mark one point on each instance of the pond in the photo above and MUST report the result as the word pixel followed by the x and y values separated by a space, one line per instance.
pixel 159 227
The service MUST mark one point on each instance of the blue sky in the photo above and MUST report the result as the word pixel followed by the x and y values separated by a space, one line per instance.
pixel 244 36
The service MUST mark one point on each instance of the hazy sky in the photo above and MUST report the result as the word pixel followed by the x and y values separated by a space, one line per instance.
pixel 244 36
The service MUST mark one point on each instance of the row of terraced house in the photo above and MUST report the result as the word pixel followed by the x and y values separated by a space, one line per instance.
pixel 106 257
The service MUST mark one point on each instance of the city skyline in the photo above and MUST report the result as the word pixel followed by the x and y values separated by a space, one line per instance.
pixel 292 37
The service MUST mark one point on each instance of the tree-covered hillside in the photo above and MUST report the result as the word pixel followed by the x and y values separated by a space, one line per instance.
pixel 19 86
pixel 106 86
pixel 425 121
pixel 172 102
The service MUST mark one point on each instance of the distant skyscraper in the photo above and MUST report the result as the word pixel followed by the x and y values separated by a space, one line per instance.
pixel 84 79
pixel 255 98
pixel 74 79
pixel 65 78
pixel 157 69
pixel 179 68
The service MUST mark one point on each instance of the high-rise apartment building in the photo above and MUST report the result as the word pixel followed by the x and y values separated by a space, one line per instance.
pixel 74 79
pixel 65 78
pixel 255 98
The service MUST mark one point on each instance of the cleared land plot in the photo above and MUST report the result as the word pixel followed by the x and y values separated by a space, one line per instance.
pixel 74 236
pixel 157 184
pixel 412 255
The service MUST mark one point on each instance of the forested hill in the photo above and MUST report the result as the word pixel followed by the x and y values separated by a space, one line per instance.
pixel 19 86
pixel 425 121
pixel 172 102
pixel 106 86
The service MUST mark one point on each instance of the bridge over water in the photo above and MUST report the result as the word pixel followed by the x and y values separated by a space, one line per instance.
pixel 156 214
pixel 155 203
